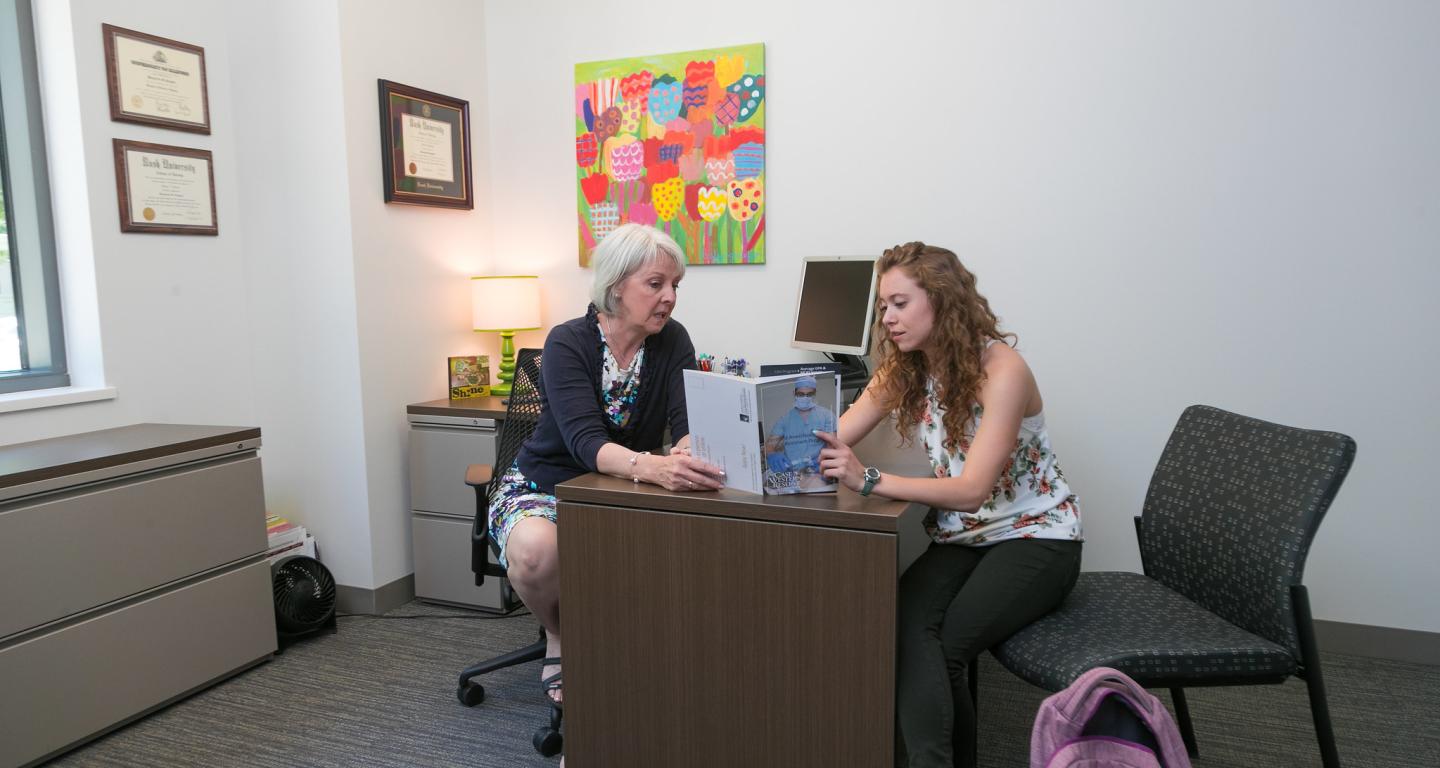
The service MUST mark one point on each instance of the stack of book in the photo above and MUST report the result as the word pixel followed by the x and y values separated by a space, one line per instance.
pixel 287 538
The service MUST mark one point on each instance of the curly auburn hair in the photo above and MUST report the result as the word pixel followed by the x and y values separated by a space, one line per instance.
pixel 964 324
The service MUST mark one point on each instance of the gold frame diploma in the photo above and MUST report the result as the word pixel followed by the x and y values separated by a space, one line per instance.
pixel 165 189
pixel 425 147
pixel 156 81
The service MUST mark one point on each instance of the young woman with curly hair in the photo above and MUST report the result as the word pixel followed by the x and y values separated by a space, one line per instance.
pixel 1004 523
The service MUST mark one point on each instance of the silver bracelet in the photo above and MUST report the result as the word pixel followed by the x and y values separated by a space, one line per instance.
pixel 633 476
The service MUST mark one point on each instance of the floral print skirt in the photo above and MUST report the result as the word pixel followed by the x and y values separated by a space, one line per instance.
pixel 515 499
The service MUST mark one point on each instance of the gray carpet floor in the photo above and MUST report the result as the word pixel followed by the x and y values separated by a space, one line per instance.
pixel 380 692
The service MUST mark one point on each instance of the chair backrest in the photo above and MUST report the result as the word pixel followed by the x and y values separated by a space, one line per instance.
pixel 1232 508
pixel 522 414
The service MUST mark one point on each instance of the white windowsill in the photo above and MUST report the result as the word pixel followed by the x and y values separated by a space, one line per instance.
pixel 45 398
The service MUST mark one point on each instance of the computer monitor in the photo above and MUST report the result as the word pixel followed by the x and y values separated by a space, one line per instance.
pixel 837 302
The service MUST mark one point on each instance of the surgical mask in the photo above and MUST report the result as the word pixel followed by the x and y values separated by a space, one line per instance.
pixel 805 403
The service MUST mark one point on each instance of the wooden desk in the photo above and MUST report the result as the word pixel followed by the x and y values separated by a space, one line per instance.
pixel 725 628
pixel 467 408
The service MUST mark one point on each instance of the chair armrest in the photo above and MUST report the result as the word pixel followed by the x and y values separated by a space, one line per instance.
pixel 478 475
pixel 479 545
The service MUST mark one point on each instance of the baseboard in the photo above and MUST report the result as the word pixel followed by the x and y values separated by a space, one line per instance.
pixel 1409 645
pixel 375 601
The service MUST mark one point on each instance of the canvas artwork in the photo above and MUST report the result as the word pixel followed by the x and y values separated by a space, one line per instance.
pixel 469 376
pixel 676 141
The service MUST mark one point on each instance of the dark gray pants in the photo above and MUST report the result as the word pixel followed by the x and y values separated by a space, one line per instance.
pixel 955 602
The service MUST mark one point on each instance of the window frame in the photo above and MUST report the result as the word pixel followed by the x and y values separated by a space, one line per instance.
pixel 24 172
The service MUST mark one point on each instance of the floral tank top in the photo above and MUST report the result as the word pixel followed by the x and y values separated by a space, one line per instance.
pixel 1031 499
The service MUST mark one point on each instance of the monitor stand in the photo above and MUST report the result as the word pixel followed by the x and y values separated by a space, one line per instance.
pixel 853 374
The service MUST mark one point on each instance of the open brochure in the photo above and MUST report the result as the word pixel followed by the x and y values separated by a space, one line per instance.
pixel 761 431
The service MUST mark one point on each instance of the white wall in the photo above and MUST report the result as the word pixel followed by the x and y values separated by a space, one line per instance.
pixel 1171 203
pixel 356 304
pixel 165 315
pixel 319 312
pixel 412 264
pixel 254 327
pixel 300 275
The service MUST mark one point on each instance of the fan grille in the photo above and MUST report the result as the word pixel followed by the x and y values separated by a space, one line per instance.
pixel 304 594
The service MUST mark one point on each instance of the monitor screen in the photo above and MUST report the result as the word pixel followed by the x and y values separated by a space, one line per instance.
pixel 837 300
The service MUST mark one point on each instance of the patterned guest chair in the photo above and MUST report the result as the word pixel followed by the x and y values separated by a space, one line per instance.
pixel 1232 508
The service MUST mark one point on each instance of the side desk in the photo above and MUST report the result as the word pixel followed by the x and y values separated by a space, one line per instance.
pixel 132 573
pixel 726 628
pixel 446 436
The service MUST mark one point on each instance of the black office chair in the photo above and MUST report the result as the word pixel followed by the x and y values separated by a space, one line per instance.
pixel 522 414
pixel 1227 523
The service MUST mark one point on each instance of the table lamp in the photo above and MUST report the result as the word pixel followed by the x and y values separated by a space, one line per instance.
pixel 505 304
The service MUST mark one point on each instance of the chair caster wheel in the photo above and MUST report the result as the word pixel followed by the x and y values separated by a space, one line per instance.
pixel 548 741
pixel 470 694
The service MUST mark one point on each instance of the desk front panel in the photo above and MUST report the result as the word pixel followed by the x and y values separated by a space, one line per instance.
pixel 705 641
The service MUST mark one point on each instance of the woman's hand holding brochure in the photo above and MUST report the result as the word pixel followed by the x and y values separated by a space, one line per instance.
pixel 837 460
pixel 679 471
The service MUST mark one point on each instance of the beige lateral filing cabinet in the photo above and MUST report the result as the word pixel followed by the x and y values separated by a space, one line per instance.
pixel 132 573
pixel 446 436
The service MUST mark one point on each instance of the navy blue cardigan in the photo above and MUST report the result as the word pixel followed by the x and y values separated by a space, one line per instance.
pixel 573 425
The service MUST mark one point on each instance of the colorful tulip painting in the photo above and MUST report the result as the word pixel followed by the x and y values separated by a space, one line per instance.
pixel 674 141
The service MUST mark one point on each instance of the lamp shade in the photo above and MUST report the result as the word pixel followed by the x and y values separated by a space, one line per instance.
pixel 505 303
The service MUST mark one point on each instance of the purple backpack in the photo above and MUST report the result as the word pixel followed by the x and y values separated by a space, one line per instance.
pixel 1105 719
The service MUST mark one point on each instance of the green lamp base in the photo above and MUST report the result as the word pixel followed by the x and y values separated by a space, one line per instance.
pixel 507 365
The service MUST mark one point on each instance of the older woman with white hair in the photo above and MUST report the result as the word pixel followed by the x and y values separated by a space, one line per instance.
pixel 611 383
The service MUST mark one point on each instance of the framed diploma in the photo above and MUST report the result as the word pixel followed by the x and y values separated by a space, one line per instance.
pixel 156 81
pixel 425 147
pixel 164 189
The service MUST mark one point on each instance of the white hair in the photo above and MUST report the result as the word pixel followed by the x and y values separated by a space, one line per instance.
pixel 622 253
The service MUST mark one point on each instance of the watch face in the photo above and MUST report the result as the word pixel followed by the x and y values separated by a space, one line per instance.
pixel 872 476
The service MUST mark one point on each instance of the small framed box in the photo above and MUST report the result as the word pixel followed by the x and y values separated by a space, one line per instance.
pixel 469 377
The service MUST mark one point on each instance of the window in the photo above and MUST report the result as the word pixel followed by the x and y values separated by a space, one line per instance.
pixel 32 343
